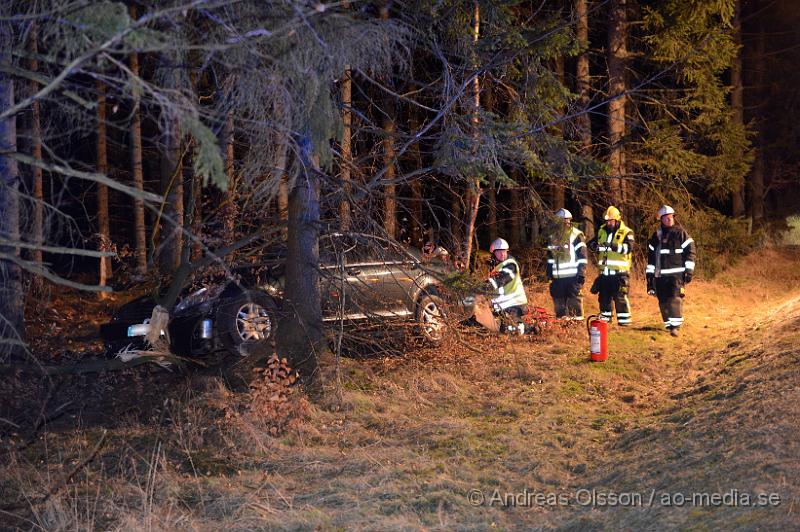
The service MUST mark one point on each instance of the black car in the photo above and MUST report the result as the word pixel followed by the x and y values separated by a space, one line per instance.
pixel 363 279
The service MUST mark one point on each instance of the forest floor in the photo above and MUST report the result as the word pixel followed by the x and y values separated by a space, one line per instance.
pixel 485 432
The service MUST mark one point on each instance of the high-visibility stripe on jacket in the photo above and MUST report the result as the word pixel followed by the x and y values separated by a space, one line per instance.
pixel 506 278
pixel 670 252
pixel 614 250
pixel 570 259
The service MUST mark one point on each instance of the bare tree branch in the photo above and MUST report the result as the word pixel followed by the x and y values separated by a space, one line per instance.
pixel 89 176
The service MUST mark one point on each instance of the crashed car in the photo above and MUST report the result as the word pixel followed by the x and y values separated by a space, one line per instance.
pixel 363 279
pixel 221 316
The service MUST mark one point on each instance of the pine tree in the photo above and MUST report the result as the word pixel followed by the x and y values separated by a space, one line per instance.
pixel 694 137
pixel 12 300
pixel 584 122
pixel 37 188
pixel 139 227
pixel 737 101
pixel 346 148
pixel 617 58
pixel 103 225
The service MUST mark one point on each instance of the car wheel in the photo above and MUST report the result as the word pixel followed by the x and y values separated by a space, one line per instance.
pixel 246 319
pixel 430 317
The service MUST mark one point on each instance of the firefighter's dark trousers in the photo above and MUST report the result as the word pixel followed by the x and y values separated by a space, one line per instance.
pixel 567 297
pixel 614 289
pixel 670 292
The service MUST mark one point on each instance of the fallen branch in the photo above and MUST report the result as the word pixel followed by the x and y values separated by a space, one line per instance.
pixel 4 420
pixel 37 269
pixel 54 490
pixel 462 343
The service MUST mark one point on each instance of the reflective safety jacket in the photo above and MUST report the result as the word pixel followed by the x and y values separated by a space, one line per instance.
pixel 670 252
pixel 614 250
pixel 506 278
pixel 566 257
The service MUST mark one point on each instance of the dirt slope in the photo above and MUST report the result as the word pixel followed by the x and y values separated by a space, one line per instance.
pixel 725 453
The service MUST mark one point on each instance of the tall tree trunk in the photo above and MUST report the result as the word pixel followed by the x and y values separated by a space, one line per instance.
pixel 417 225
pixel 197 215
pixel 191 250
pixel 584 122
pixel 103 226
pixel 557 194
pixel 516 218
pixel 617 55
pixel 172 189
pixel 37 229
pixel 347 152
pixel 229 211
pixel 300 336
pixel 283 182
pixel 737 101
pixel 390 189
pixel 12 299
pixel 756 196
pixel 490 192
pixel 140 230
pixel 193 213
pixel 474 190
pixel 534 222
pixel 491 205
pixel 456 228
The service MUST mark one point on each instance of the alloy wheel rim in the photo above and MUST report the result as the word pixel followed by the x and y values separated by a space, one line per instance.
pixel 253 322
pixel 432 320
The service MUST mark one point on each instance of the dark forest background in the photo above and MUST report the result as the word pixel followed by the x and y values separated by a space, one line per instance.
pixel 148 141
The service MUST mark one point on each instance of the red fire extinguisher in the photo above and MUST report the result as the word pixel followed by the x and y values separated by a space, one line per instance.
pixel 598 338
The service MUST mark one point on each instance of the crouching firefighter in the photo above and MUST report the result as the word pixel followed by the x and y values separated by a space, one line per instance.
pixel 566 267
pixel 670 266
pixel 614 247
pixel 505 281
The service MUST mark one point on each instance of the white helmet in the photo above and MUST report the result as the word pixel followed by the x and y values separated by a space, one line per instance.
pixel 498 244
pixel 564 213
pixel 664 210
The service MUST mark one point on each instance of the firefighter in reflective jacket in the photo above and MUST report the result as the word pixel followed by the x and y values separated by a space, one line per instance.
pixel 506 281
pixel 566 267
pixel 670 266
pixel 613 245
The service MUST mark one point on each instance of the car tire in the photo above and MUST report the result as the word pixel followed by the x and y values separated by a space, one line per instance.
pixel 244 320
pixel 430 318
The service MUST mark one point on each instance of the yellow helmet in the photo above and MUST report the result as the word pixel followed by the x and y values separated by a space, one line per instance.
pixel 612 213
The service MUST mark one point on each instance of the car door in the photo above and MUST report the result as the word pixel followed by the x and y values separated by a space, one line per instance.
pixel 365 273
pixel 336 284
pixel 401 271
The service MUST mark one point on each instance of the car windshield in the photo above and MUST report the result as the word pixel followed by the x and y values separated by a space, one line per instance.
pixel 357 248
pixel 199 296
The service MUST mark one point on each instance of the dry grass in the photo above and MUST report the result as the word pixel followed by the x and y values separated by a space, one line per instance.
pixel 414 434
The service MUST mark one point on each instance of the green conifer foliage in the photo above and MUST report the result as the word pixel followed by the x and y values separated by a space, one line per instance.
pixel 686 132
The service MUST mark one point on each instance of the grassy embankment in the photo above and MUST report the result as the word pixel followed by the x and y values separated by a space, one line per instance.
pixel 709 411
